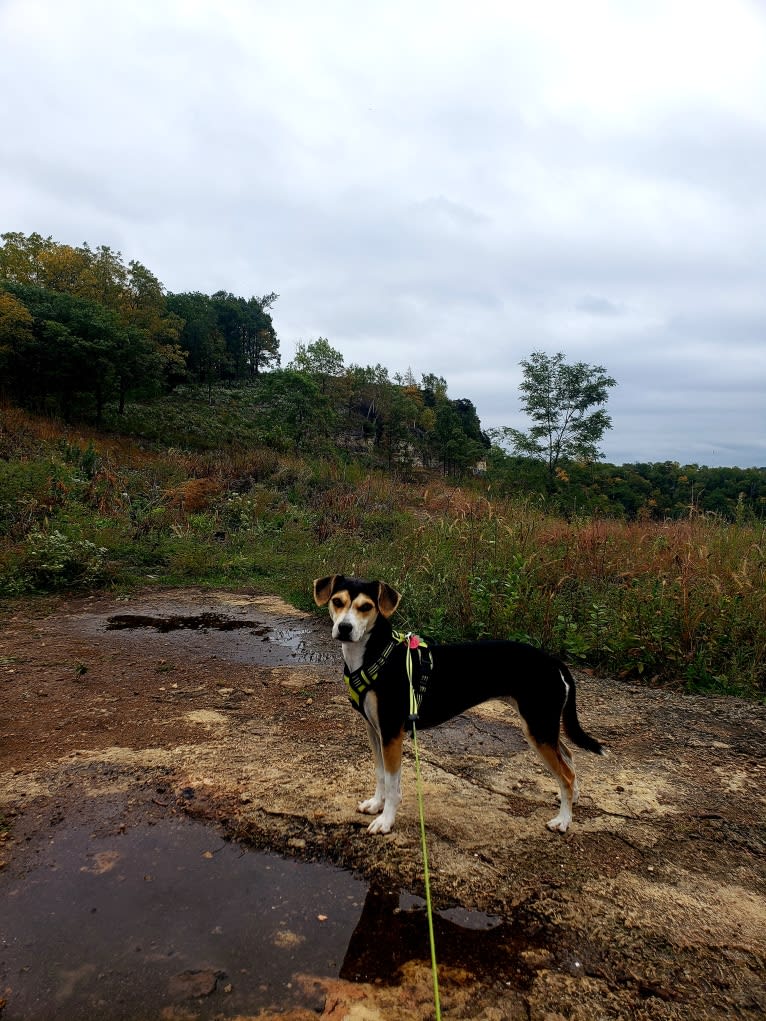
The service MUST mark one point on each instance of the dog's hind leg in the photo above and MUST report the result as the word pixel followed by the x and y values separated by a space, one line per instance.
pixel 560 766
pixel 375 804
pixel 567 757
pixel 558 759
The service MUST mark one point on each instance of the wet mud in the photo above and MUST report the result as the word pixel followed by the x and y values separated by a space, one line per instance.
pixel 178 837
pixel 126 917
pixel 124 924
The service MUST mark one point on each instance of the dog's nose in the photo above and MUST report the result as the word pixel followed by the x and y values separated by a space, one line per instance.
pixel 344 632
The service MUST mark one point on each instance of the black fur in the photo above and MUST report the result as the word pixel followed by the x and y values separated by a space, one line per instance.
pixel 467 674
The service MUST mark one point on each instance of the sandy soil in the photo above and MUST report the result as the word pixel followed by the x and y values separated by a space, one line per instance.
pixel 653 906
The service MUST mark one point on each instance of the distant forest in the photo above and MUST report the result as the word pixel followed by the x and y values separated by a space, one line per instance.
pixel 88 338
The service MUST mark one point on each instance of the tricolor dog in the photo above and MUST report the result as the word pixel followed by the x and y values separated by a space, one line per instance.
pixel 448 679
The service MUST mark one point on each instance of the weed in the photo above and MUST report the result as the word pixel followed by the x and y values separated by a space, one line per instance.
pixel 680 602
pixel 54 560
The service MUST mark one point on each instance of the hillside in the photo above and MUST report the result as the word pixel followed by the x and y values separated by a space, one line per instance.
pixel 679 601
pixel 89 338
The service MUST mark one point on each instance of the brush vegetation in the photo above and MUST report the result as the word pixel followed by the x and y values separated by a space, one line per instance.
pixel 680 602
pixel 149 437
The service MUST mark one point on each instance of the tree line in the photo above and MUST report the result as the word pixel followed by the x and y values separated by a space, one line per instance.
pixel 81 329
pixel 82 333
pixel 643 490
pixel 406 421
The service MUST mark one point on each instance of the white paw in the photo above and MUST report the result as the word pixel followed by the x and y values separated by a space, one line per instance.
pixel 380 825
pixel 560 824
pixel 371 806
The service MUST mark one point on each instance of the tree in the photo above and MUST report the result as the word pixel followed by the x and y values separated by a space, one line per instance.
pixel 15 320
pixel 67 353
pixel 100 279
pixel 291 410
pixel 456 447
pixel 319 359
pixel 16 323
pixel 560 399
pixel 250 338
pixel 20 257
pixel 434 388
pixel 362 388
pixel 200 337
pixel 396 412
pixel 105 278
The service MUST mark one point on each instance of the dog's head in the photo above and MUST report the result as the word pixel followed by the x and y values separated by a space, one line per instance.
pixel 354 605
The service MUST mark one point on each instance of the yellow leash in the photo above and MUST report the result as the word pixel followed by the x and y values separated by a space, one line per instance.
pixel 419 786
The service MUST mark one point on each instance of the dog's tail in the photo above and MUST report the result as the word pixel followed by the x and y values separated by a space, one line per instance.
pixel 570 720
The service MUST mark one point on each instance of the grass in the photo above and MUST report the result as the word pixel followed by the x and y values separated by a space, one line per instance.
pixel 680 603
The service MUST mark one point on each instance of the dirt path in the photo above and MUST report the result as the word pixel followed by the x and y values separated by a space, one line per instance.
pixel 229 707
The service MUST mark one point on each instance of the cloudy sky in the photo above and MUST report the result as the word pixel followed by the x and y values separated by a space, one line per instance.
pixel 442 186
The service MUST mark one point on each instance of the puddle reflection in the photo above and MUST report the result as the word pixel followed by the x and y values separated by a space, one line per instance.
pixel 124 926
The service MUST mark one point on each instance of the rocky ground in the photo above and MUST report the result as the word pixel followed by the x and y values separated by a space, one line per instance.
pixel 229 707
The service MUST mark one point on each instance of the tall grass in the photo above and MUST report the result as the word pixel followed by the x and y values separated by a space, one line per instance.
pixel 680 602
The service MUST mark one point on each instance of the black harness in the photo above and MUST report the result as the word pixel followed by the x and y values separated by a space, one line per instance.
pixel 420 661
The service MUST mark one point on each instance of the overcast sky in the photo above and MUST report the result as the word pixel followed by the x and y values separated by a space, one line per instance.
pixel 440 186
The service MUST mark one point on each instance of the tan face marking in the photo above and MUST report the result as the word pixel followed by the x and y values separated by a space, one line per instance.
pixel 352 620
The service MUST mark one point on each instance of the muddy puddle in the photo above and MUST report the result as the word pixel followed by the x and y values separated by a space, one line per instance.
pixel 262 640
pixel 239 634
pixel 157 917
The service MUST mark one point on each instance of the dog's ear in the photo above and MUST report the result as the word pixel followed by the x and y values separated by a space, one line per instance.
pixel 323 589
pixel 388 599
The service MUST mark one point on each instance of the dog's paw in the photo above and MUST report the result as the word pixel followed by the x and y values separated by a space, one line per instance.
pixel 559 824
pixel 381 825
pixel 370 807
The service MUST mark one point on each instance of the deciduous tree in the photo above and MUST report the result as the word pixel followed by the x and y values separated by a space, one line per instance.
pixel 565 403
pixel 319 359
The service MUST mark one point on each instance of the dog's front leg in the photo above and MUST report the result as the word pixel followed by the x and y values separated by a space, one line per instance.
pixel 388 770
pixel 392 778
pixel 375 804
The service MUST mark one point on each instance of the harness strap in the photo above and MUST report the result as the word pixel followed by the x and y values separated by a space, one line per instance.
pixel 357 684
pixel 419 686
pixel 360 681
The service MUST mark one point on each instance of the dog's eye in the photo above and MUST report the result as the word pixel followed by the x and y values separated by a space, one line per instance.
pixel 338 603
pixel 365 608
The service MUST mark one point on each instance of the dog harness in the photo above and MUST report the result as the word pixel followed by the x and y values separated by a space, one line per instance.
pixel 419 662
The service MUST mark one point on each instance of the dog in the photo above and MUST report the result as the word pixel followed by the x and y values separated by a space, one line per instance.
pixel 451 679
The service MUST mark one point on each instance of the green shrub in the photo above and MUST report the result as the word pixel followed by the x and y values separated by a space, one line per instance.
pixel 54 560
pixel 29 492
